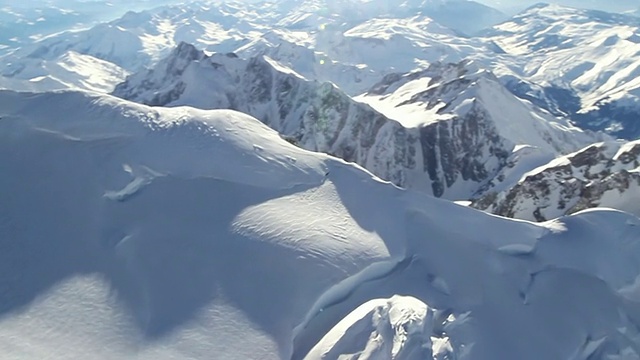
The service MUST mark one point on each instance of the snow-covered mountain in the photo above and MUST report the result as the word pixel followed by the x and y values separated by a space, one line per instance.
pixel 465 91
pixel 71 70
pixel 244 206
pixel 458 137
pixel 356 57
pixel 321 39
pixel 136 40
pixel 601 175
pixel 143 233
pixel 445 90
pixel 22 22
pixel 575 63
pixel 425 128
pixel 585 61
pixel 455 14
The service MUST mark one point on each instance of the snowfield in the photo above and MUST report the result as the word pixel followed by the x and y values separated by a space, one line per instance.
pixel 134 232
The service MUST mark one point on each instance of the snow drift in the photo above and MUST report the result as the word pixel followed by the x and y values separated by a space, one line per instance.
pixel 134 232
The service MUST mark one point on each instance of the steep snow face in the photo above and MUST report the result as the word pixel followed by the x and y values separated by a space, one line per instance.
pixel 586 59
pixel 133 232
pixel 450 147
pixel 397 328
pixel 601 175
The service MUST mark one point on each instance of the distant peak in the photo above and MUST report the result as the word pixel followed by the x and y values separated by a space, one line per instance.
pixel 187 51
pixel 540 5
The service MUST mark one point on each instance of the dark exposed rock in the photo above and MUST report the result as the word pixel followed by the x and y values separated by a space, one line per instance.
pixel 578 183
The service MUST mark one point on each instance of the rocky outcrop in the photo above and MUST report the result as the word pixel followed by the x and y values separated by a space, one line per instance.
pixel 601 175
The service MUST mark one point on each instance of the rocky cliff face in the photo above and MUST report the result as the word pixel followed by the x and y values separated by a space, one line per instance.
pixel 603 174
pixel 452 152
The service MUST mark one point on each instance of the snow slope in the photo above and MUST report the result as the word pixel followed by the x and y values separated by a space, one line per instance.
pixel 447 90
pixel 354 55
pixel 585 59
pixel 71 70
pixel 22 22
pixel 133 232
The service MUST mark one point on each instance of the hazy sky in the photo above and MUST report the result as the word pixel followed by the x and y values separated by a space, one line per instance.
pixel 606 5
pixel 509 6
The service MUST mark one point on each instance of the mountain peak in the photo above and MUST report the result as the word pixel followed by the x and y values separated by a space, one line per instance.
pixel 539 5
pixel 187 52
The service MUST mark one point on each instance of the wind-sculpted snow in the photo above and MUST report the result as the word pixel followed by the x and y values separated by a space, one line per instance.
pixel 600 175
pixel 398 328
pixel 134 232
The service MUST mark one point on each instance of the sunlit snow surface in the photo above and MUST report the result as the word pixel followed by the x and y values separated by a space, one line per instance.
pixel 132 232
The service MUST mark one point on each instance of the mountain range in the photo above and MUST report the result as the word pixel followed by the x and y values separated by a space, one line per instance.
pixel 456 139
pixel 569 69
pixel 321 179
pixel 317 42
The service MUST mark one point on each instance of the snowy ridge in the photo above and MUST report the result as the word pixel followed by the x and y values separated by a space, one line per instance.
pixel 601 175
pixel 226 253
pixel 451 147
pixel 464 92
pixel 69 71
pixel 445 89
pixel 452 13
pixel 400 328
